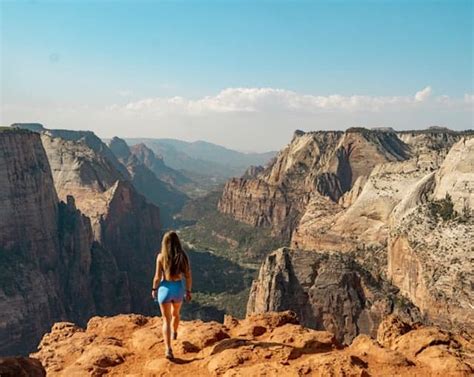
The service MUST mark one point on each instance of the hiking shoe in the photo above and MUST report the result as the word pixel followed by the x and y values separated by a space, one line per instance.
pixel 169 354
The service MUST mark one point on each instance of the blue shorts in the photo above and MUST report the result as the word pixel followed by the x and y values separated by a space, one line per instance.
pixel 170 291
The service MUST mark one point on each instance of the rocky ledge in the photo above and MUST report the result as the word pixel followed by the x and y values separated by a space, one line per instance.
pixel 21 367
pixel 265 344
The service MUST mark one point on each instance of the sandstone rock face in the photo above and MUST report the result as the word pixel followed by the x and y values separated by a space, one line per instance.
pixel 392 233
pixel 429 346
pixel 369 204
pixel 321 163
pixel 55 262
pixel 432 145
pixel 253 172
pixel 83 173
pixel 94 143
pixel 28 233
pixel 384 223
pixel 328 291
pixel 268 344
pixel 365 222
pixel 43 244
pixel 27 196
pixel 456 175
pixel 131 230
pixel 257 203
pixel 430 259
pixel 124 222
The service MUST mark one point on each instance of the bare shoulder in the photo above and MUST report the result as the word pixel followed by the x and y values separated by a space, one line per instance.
pixel 158 258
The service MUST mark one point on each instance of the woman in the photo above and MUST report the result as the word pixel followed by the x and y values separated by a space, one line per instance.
pixel 168 288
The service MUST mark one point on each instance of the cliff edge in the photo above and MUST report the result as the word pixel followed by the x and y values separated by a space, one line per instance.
pixel 269 344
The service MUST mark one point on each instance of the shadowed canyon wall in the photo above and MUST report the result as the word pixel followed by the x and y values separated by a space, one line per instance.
pixel 71 257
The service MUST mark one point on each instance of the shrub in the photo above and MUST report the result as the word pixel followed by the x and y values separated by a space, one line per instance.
pixel 443 208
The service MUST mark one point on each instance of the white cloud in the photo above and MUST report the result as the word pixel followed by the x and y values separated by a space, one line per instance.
pixel 423 94
pixel 469 99
pixel 247 100
pixel 247 118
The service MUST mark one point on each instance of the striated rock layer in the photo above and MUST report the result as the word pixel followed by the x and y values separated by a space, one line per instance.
pixel 364 222
pixel 361 219
pixel 43 244
pixel 328 291
pixel 262 345
pixel 56 263
pixel 430 258
pixel 323 163
pixel 408 225
pixel 123 221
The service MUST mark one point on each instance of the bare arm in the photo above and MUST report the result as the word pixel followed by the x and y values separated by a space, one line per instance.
pixel 189 279
pixel 158 272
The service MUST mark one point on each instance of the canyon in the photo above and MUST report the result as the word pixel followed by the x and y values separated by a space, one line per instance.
pixel 77 238
pixel 353 232
pixel 314 163
pixel 358 209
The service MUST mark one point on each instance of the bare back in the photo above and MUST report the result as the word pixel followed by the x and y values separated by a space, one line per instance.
pixel 165 275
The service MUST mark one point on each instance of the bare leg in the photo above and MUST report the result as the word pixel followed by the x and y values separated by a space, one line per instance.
pixel 166 315
pixel 175 317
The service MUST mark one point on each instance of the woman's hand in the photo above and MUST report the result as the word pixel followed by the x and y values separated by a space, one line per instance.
pixel 188 296
pixel 153 293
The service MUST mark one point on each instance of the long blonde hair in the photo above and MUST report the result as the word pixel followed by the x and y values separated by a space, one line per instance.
pixel 174 259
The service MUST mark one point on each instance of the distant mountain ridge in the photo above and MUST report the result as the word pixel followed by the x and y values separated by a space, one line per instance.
pixel 158 166
pixel 202 157
pixel 161 193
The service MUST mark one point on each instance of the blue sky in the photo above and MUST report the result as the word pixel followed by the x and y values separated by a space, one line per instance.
pixel 95 64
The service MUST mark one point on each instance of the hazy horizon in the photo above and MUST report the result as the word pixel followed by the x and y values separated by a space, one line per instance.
pixel 107 138
pixel 243 75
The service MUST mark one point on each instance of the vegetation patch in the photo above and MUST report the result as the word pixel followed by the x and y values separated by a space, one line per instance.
pixel 225 256
pixel 208 229
pixel 443 209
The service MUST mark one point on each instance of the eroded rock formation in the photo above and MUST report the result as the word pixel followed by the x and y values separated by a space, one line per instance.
pixel 430 258
pixel 43 244
pixel 168 198
pixel 56 262
pixel 267 344
pixel 130 229
pixel 314 163
pixel 124 222
pixel 365 220
pixel 385 226
pixel 328 291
